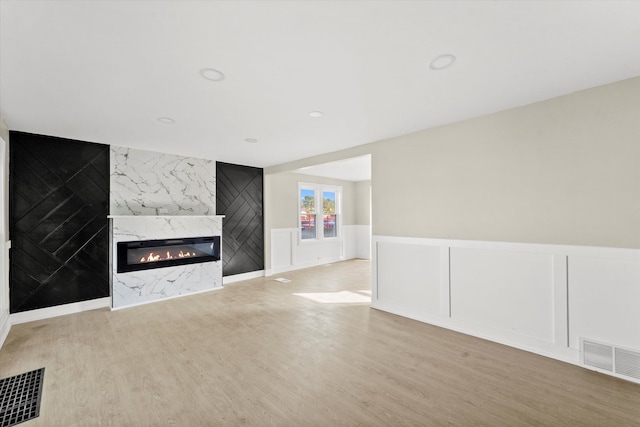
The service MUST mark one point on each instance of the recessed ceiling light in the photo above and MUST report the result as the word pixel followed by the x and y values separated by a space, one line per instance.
pixel 441 62
pixel 315 114
pixel 251 140
pixel 212 74
pixel 166 120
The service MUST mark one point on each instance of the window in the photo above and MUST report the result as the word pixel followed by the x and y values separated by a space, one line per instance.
pixel 319 201
pixel 308 213
pixel 329 213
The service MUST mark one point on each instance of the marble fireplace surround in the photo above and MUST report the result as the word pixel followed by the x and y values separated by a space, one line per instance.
pixel 145 286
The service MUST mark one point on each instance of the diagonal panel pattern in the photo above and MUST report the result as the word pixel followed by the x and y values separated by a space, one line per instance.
pixel 239 196
pixel 59 196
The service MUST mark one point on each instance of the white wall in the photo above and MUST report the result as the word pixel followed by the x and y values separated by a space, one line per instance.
pixel 289 253
pixel 5 325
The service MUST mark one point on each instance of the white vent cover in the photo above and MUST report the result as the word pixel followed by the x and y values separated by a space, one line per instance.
pixel 611 359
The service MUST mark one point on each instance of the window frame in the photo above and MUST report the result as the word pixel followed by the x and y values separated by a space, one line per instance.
pixel 318 192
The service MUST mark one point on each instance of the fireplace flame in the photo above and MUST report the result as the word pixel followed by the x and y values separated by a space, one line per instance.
pixel 153 257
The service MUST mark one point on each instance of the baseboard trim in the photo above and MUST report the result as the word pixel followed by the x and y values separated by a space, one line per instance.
pixel 59 310
pixel 243 276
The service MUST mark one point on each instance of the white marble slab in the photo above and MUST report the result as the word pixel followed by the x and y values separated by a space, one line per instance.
pixel 139 287
pixel 150 183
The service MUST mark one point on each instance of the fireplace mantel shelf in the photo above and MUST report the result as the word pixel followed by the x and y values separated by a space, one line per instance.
pixel 166 216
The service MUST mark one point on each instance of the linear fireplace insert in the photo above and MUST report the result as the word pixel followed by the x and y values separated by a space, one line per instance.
pixel 148 254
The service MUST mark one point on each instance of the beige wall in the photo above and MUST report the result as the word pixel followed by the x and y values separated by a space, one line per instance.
pixel 281 198
pixel 363 202
pixel 561 171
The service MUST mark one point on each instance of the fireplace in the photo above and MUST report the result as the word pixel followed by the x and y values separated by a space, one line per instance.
pixel 149 254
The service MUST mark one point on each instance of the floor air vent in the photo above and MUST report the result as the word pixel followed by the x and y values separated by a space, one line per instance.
pixel 20 397
pixel 610 359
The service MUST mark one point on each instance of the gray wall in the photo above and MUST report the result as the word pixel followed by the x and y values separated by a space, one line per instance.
pixel 561 171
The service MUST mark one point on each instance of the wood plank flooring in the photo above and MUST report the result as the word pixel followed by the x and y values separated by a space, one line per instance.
pixel 254 353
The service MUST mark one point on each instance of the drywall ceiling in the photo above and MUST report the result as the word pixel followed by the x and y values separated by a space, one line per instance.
pixel 106 71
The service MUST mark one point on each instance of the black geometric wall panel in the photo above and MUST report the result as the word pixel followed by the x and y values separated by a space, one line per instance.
pixel 58 207
pixel 239 195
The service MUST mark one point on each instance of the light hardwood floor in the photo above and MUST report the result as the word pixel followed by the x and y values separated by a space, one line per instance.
pixel 254 353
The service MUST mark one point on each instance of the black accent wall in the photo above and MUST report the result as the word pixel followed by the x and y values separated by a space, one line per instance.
pixel 239 196
pixel 58 207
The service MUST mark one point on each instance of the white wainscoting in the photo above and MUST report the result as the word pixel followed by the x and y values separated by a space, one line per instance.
pixel 5 323
pixel 604 300
pixel 362 240
pixel 539 298
pixel 288 253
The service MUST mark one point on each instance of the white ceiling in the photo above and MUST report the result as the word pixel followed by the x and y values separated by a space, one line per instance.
pixel 104 71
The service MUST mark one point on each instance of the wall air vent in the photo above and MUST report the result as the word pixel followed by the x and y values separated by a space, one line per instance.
pixel 628 363
pixel 610 359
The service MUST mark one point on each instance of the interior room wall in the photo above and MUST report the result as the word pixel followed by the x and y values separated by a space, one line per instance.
pixel 521 227
pixel 561 171
pixel 5 325
pixel 363 202
pixel 281 203
pixel 284 209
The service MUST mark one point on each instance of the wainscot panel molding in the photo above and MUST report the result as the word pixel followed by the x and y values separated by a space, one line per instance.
pixel 604 300
pixel 288 253
pixel 357 241
pixel 535 297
